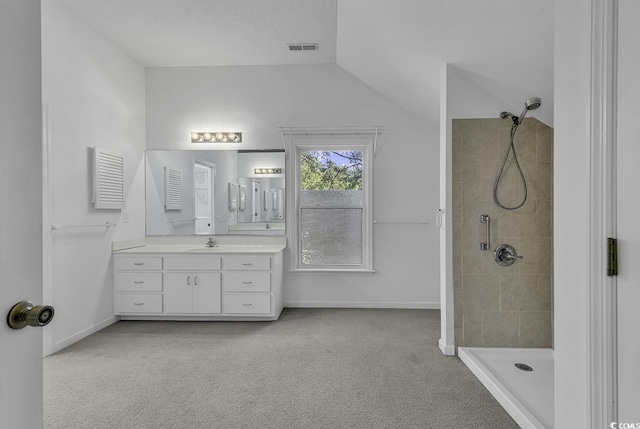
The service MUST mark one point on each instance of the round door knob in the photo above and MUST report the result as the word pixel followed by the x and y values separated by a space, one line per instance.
pixel 25 313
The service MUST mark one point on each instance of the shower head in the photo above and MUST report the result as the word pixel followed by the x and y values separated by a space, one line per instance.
pixel 532 103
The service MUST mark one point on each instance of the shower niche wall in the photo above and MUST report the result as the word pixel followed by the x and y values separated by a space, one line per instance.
pixel 494 305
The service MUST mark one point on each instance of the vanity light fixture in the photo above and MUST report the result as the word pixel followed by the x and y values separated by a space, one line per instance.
pixel 268 170
pixel 216 137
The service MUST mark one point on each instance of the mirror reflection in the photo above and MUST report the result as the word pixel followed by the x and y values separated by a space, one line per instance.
pixel 215 192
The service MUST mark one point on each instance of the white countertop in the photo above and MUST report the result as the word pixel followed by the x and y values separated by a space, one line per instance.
pixel 203 250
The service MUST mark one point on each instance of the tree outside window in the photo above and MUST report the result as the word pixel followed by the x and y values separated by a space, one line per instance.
pixel 331 208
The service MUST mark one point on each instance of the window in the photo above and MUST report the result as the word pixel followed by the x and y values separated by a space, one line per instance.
pixel 332 185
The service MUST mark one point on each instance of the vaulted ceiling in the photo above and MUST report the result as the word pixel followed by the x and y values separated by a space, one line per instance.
pixel 398 48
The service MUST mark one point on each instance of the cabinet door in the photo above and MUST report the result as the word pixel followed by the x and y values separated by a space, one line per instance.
pixel 178 293
pixel 206 293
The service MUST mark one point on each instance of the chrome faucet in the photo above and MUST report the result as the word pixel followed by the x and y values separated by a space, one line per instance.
pixel 267 227
pixel 211 242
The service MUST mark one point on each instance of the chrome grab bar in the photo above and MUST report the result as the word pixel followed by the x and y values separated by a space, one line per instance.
pixel 487 244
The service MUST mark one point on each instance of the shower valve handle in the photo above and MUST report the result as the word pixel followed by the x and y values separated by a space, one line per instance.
pixel 509 256
pixel 506 255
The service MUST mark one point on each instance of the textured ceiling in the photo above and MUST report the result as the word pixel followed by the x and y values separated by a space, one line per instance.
pixel 397 47
pixel 215 33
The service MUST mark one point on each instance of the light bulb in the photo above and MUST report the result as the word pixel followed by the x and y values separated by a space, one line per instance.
pixel 194 136
pixel 208 136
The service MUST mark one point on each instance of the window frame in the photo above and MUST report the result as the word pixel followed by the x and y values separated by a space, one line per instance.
pixel 297 144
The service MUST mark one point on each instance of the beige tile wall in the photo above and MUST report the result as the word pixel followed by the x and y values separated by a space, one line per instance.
pixel 498 306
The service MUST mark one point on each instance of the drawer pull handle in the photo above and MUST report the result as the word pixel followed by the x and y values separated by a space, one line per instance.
pixel 246 264
pixel 138 303
pixel 247 305
pixel 188 280
pixel 138 282
pixel 247 283
pixel 138 263
pixel 195 280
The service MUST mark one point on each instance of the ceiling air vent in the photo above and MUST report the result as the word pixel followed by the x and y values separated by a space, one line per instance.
pixel 303 46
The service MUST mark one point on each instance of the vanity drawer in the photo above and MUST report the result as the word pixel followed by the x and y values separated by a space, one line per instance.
pixel 236 263
pixel 240 281
pixel 192 263
pixel 247 303
pixel 138 263
pixel 138 303
pixel 139 281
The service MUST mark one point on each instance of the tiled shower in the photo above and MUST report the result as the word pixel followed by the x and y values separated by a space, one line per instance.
pixel 497 306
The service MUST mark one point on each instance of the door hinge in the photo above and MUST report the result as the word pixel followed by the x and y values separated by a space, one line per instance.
pixel 612 256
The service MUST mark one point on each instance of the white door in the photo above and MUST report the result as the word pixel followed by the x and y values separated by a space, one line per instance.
pixel 20 210
pixel 628 213
pixel 203 198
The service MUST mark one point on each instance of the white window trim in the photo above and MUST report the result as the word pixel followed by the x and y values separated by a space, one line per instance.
pixel 360 142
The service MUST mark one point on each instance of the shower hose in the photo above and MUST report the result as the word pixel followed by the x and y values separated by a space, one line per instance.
pixel 514 128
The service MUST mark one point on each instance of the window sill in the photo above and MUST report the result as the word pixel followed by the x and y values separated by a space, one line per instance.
pixel 330 271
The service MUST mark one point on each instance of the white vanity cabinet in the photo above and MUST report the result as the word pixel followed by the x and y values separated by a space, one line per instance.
pixel 195 286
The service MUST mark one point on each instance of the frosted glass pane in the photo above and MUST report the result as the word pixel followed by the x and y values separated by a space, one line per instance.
pixel 332 198
pixel 331 236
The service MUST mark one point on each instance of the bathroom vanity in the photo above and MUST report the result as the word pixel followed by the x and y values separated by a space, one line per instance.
pixel 178 280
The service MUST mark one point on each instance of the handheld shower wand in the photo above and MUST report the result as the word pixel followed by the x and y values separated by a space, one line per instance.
pixel 530 104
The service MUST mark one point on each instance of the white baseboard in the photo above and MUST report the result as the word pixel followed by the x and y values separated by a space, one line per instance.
pixel 362 304
pixel 57 346
pixel 445 349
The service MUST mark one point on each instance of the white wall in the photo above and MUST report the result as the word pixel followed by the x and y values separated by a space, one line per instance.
pixel 258 100
pixel 93 96
pixel 399 47
pixel 571 214
pixel 461 98
pixel 466 99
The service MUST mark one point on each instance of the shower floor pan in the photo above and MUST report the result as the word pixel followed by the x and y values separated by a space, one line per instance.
pixel 526 395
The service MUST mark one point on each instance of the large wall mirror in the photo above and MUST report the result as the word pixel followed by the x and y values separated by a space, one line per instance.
pixel 215 192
